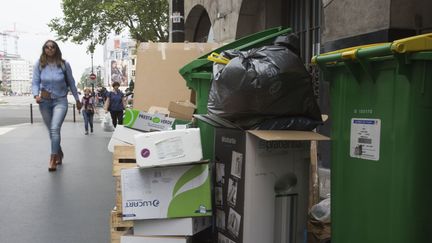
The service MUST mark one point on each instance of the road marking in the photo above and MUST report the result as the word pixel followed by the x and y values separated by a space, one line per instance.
pixel 6 129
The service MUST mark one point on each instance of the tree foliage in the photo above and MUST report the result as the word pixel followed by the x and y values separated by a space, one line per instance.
pixel 94 20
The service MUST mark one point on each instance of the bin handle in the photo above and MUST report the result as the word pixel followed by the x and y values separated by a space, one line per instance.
pixel 217 58
pixel 410 44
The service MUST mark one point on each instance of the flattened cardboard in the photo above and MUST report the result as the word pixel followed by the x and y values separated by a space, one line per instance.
pixel 288 135
pixel 157 72
pixel 268 135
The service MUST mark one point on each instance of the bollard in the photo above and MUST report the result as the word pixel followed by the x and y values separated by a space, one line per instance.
pixel 31 113
pixel 73 107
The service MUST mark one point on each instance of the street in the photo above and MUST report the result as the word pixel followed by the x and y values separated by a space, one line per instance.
pixel 17 110
pixel 70 205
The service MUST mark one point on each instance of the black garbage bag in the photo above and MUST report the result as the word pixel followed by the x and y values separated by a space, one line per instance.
pixel 261 84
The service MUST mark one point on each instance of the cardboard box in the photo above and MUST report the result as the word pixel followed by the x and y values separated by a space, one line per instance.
pixel 181 110
pixel 166 192
pixel 167 148
pixel 157 72
pixel 122 136
pixel 164 227
pixel 159 110
pixel 261 183
pixel 131 238
pixel 147 122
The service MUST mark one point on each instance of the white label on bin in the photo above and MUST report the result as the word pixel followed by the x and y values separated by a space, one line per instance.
pixel 365 138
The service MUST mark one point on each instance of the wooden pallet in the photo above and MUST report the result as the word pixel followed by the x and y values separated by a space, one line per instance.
pixel 117 232
pixel 117 221
pixel 118 192
pixel 123 158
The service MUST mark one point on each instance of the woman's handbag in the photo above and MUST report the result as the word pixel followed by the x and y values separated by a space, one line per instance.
pixel 90 110
pixel 45 94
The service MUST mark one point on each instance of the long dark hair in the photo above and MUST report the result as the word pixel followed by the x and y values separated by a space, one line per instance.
pixel 43 60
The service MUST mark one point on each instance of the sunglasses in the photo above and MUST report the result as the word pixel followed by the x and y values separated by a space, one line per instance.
pixel 50 47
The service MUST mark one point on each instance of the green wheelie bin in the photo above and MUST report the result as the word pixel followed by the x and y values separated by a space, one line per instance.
pixel 198 75
pixel 381 111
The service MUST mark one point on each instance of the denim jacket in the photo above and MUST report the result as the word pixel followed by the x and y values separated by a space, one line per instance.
pixel 52 79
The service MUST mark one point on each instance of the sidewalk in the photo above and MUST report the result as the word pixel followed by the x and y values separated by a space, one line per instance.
pixel 71 205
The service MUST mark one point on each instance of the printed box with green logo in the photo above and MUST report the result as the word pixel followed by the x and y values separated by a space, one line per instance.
pixel 147 122
pixel 166 192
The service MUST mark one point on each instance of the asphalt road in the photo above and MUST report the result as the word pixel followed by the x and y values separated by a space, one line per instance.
pixel 20 109
pixel 71 205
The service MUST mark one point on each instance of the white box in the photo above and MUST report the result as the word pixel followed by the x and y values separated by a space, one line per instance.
pixel 122 136
pixel 146 121
pixel 130 238
pixel 165 148
pixel 166 192
pixel 164 227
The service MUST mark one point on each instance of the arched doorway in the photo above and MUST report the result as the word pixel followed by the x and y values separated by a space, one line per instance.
pixel 251 18
pixel 197 25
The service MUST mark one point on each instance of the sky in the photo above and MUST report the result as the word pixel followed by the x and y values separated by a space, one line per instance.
pixel 30 19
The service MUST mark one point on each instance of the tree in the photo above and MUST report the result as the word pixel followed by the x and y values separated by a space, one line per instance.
pixel 94 20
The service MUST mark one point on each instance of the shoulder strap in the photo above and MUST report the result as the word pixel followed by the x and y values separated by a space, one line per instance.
pixel 63 67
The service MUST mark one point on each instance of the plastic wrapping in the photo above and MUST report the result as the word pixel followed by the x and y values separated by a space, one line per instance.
pixel 106 123
pixel 321 211
pixel 261 84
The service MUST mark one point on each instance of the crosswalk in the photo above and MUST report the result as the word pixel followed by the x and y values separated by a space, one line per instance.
pixel 6 129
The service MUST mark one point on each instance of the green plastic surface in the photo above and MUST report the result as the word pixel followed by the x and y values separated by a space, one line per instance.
pixel 389 199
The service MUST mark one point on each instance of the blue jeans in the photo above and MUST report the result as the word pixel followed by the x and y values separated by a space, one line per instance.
pixel 53 113
pixel 88 120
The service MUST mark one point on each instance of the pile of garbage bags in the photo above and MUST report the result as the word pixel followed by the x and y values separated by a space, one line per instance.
pixel 265 88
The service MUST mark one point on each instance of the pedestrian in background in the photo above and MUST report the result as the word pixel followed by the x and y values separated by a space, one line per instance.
pixel 52 79
pixel 115 104
pixel 88 105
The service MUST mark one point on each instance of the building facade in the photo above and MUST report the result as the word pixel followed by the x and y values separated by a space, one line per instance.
pixel 322 25
pixel 119 60
pixel 16 76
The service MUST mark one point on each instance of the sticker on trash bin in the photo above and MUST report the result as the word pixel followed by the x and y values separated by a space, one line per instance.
pixel 365 138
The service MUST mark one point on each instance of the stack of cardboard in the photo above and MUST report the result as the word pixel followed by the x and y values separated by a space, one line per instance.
pixel 168 195
pixel 122 145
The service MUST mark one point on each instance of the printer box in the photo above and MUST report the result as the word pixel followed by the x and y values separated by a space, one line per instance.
pixel 147 122
pixel 166 192
pixel 165 148
pixel 261 183
pixel 166 227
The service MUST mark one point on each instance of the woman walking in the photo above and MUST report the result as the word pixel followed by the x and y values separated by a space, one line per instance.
pixel 88 104
pixel 115 104
pixel 52 78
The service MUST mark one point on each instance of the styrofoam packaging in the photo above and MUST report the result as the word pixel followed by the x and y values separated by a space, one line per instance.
pixel 165 148
pixel 131 238
pixel 122 136
pixel 178 226
pixel 166 192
